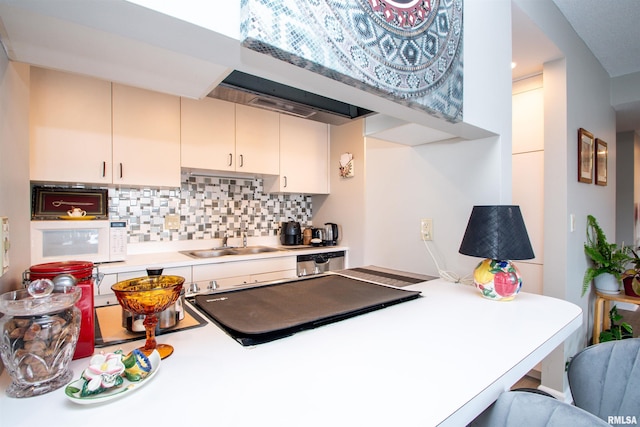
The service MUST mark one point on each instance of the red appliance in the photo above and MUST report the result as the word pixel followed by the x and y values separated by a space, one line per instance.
pixel 83 273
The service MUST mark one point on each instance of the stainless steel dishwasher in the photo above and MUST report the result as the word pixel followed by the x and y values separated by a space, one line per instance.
pixel 319 263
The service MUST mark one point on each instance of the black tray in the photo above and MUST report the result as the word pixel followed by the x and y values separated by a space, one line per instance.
pixel 266 313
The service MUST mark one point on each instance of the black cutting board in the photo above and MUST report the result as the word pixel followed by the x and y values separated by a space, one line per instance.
pixel 265 313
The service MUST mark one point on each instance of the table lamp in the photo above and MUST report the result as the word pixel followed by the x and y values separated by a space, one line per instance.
pixel 498 234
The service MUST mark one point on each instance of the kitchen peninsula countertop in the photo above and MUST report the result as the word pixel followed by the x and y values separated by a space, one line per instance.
pixel 402 365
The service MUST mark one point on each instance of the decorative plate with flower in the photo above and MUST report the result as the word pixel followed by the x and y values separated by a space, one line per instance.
pixel 112 375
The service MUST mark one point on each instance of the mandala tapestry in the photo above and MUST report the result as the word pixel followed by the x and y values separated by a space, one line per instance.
pixel 408 51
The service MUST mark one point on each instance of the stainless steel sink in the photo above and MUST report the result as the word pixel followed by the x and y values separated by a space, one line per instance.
pixel 218 252
pixel 208 253
pixel 249 250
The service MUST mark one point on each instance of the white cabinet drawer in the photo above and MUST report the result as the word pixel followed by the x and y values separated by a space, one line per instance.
pixel 243 273
pixel 223 283
pixel 103 295
pixel 242 268
pixel 174 271
pixel 273 275
pixel 226 283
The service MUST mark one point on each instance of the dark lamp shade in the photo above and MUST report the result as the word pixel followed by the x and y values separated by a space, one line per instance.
pixel 496 232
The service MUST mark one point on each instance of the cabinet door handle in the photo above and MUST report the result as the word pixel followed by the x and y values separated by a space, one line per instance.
pixel 104 169
pixel 241 160
pixel 285 182
pixel 230 159
pixel 120 170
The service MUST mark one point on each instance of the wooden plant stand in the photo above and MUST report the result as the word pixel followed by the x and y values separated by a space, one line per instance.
pixel 603 305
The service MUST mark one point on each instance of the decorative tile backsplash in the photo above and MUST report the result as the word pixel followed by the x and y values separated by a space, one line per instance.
pixel 208 207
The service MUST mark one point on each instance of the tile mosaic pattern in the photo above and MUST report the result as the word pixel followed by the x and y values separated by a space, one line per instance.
pixel 408 51
pixel 208 207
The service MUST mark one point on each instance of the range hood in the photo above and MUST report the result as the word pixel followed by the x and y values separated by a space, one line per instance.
pixel 242 88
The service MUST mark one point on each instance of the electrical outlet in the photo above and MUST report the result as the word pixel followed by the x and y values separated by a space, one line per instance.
pixel 426 229
pixel 172 222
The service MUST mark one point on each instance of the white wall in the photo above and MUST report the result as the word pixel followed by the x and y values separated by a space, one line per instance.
pixel 346 203
pixel 528 173
pixel 487 77
pixel 636 192
pixel 627 170
pixel 14 168
pixel 15 197
pixel 576 95
pixel 441 181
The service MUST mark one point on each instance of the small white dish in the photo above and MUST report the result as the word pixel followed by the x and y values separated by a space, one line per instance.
pixel 72 390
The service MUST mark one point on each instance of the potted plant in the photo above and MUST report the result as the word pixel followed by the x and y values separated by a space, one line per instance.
pixel 631 277
pixel 608 260
pixel 616 332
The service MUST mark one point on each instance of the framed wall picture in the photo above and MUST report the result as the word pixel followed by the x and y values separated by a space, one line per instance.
pixel 52 202
pixel 601 162
pixel 585 156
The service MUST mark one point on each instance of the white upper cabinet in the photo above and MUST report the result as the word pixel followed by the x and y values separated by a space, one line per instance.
pixel 70 128
pixel 223 136
pixel 304 154
pixel 86 130
pixel 208 134
pixel 91 131
pixel 146 137
pixel 257 140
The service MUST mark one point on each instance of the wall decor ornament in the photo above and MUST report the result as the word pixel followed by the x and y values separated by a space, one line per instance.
pixel 408 51
pixel 585 156
pixel 601 162
pixel 50 202
pixel 346 165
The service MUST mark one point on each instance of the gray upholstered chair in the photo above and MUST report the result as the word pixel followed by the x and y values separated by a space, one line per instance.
pixel 605 379
pixel 524 409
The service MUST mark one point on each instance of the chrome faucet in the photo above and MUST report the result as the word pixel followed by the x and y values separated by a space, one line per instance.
pixel 244 239
pixel 224 240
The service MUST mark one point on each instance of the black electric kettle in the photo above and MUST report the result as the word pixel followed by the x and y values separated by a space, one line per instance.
pixel 330 234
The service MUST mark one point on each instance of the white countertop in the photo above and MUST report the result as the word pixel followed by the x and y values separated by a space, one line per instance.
pixel 439 359
pixel 173 258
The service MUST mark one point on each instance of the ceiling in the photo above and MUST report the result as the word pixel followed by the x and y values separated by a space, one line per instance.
pixel 609 29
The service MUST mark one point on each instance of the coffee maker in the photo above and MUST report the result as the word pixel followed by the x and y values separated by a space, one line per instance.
pixel 291 233
pixel 330 234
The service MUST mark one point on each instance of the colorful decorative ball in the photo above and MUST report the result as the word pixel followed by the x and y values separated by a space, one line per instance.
pixel 497 280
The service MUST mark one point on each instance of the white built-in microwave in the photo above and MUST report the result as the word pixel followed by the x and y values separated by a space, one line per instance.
pixel 96 241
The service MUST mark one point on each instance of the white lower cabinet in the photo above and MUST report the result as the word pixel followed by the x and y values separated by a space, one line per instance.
pixel 220 276
pixel 274 275
pixel 224 283
pixel 103 295
pixel 229 275
pixel 174 271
